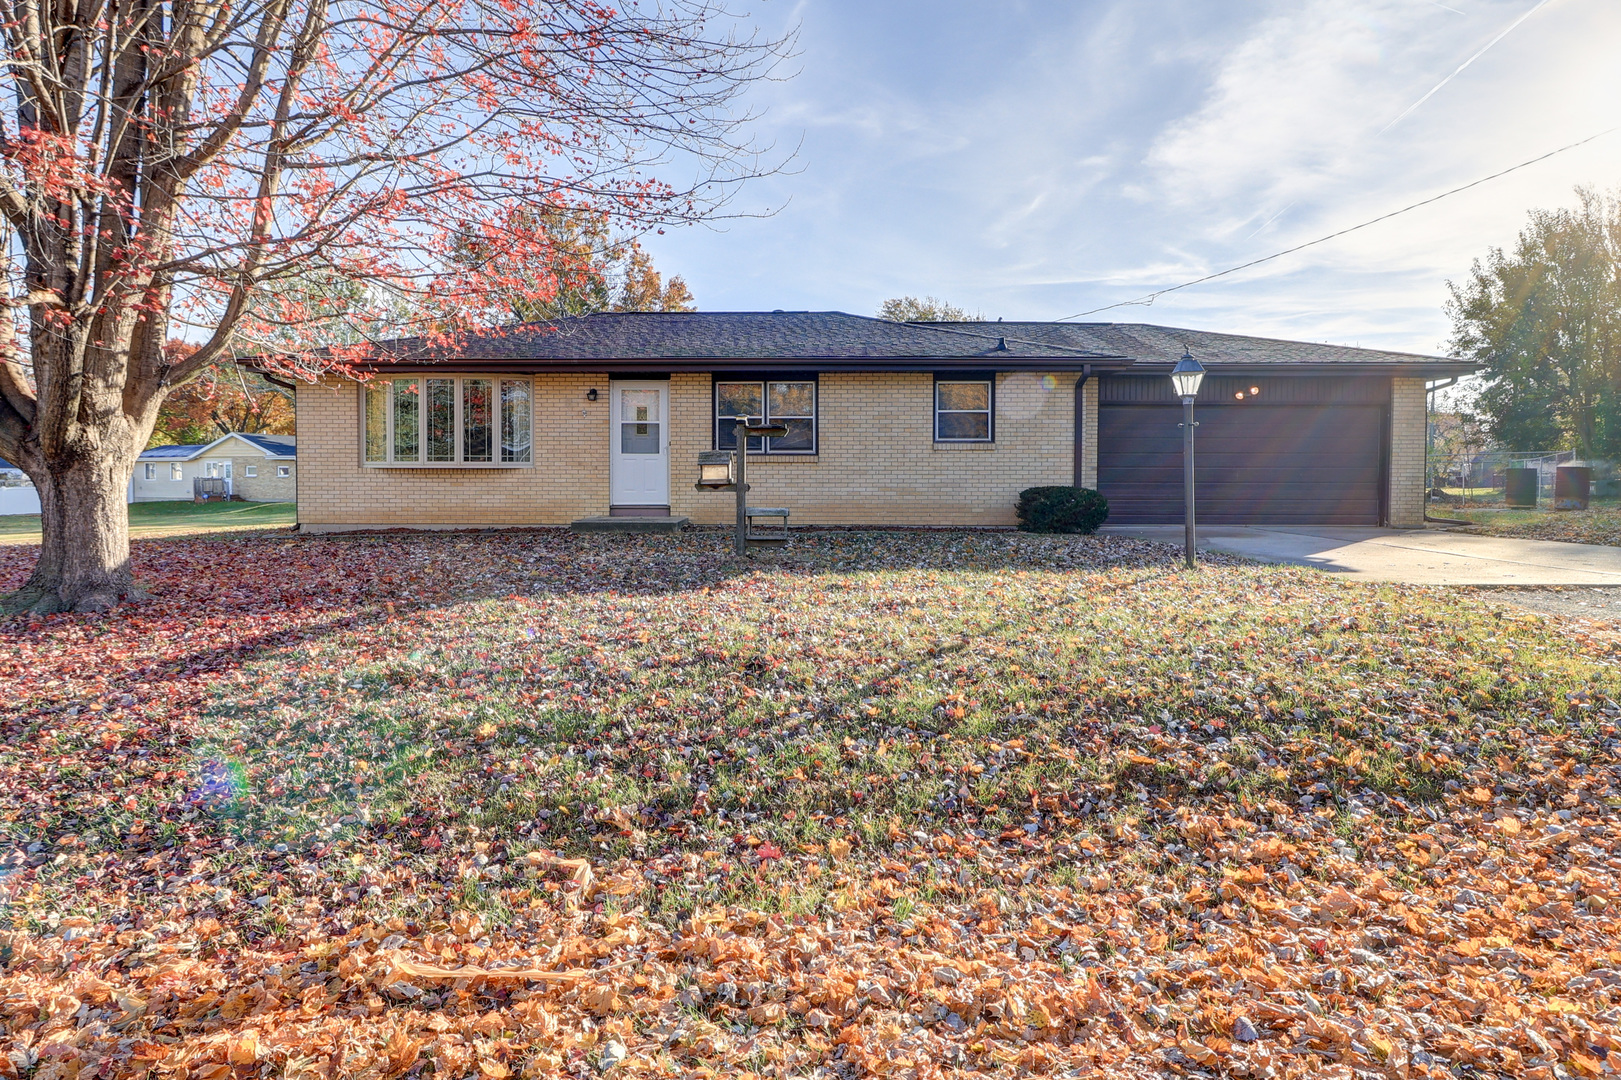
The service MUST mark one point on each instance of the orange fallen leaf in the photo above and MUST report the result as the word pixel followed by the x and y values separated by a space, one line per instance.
pixel 415 970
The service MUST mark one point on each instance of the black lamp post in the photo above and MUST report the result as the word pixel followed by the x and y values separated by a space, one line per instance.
pixel 1186 377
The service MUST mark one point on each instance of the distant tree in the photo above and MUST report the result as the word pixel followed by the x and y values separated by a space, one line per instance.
pixel 224 398
pixel 642 288
pixel 593 268
pixel 1545 321
pixel 928 309
pixel 1457 440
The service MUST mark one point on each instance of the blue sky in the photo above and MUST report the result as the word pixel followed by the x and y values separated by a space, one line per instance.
pixel 1032 160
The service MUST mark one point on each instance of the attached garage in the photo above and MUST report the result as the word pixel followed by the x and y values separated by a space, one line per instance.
pixel 1270 450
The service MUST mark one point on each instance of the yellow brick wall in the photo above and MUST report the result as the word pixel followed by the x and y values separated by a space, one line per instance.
pixel 877 463
pixel 266 486
pixel 1408 421
pixel 568 480
pixel 1089 430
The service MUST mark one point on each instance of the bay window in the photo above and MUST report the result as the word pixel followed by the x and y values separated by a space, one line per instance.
pixel 448 421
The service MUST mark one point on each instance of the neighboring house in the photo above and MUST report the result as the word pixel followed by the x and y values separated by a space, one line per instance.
pixel 17 494
pixel 258 468
pixel 888 423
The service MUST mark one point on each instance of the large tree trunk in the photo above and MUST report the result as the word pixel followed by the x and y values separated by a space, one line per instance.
pixel 84 557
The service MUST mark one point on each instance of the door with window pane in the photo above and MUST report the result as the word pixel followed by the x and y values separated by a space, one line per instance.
pixel 639 448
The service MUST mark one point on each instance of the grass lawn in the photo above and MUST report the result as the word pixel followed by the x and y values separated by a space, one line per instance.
pixel 1599 524
pixel 897 804
pixel 151 519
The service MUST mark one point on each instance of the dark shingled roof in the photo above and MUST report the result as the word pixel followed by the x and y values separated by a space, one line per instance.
pixel 172 452
pixel 710 339
pixel 275 445
pixel 835 341
pixel 1152 345
pixel 272 445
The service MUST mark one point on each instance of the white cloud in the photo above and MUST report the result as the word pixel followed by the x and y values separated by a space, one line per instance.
pixel 1038 159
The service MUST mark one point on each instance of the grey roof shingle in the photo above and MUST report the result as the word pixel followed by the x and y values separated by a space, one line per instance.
pixel 1153 345
pixel 835 340
pixel 735 335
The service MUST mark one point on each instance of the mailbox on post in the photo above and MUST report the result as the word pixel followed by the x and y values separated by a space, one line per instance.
pixel 715 470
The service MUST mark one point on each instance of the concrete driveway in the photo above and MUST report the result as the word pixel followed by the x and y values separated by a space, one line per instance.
pixel 1433 556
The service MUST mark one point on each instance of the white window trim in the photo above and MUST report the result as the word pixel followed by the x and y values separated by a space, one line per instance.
pixel 177 472
pixel 989 412
pixel 422 421
pixel 284 471
pixel 151 471
pixel 250 470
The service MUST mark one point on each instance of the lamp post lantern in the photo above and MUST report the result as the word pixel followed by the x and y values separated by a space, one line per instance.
pixel 1186 377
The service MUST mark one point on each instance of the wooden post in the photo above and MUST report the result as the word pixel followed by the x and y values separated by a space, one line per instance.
pixel 742 480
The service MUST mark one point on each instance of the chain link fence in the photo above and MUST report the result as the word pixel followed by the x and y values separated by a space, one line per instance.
pixel 1481 476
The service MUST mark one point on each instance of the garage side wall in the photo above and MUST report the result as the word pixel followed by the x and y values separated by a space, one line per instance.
pixel 1408 420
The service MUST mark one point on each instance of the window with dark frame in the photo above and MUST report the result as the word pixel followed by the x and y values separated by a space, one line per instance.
pixel 788 402
pixel 964 410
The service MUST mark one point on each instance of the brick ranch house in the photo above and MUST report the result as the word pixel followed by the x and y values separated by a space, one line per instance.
pixel 888 424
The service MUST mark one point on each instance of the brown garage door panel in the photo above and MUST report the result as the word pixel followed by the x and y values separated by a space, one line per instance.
pixel 1257 464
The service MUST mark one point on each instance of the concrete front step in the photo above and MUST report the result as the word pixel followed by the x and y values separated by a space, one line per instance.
pixel 629 524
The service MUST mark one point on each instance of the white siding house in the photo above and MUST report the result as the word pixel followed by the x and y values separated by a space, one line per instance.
pixel 258 468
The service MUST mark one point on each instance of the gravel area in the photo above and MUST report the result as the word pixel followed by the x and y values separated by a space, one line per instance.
pixel 1599 604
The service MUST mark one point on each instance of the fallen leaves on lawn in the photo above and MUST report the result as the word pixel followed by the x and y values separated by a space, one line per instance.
pixel 898 804
pixel 1596 525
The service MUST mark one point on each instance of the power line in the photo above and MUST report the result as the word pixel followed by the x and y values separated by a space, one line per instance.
pixel 1149 298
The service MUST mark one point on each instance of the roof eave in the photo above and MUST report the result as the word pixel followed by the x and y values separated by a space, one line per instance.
pixel 1429 369
pixel 708 364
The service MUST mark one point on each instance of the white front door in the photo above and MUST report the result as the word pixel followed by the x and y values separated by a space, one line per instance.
pixel 639 454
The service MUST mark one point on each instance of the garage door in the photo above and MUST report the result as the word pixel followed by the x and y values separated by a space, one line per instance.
pixel 1302 451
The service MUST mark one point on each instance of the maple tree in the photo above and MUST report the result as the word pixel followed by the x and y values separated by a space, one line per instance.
pixel 190 168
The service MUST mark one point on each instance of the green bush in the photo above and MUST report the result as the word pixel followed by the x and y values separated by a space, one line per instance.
pixel 1061 510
